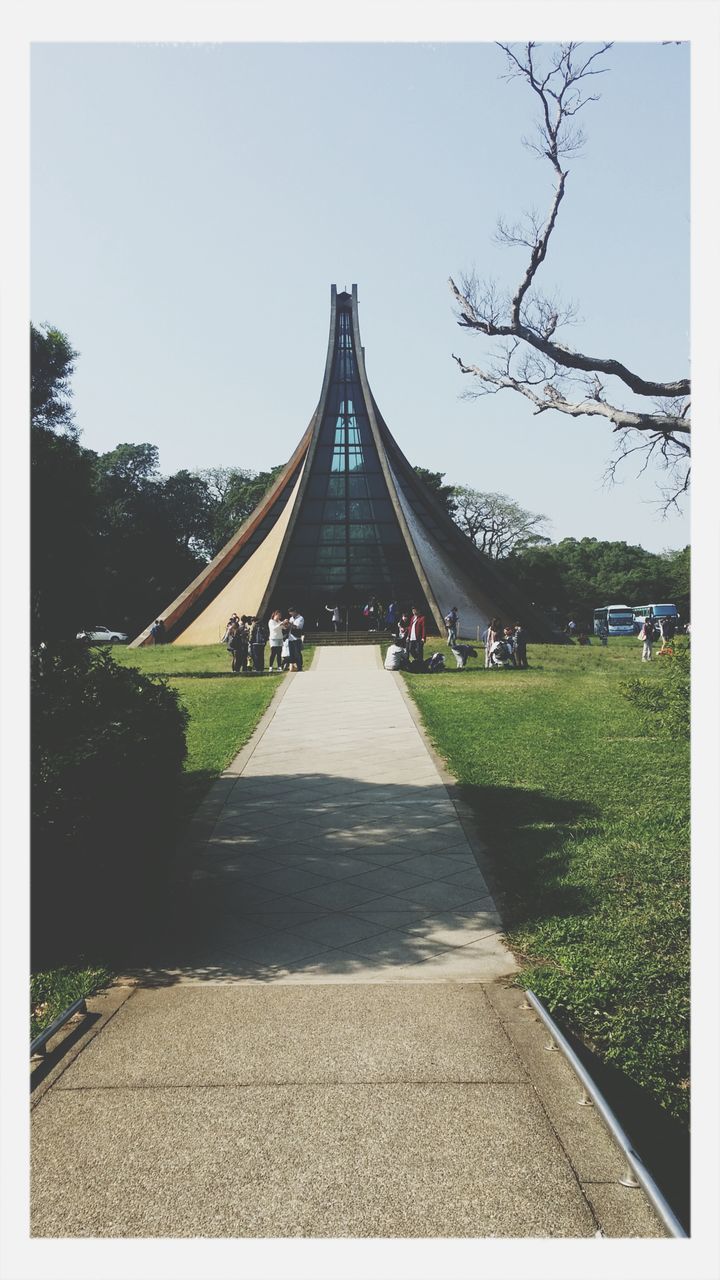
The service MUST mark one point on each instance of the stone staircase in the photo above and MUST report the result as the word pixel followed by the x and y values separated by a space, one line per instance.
pixel 346 637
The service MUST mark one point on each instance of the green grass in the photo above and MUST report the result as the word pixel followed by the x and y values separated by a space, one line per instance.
pixel 54 990
pixel 224 710
pixel 584 803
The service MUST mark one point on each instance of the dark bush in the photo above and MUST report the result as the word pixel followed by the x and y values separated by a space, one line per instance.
pixel 107 750
pixel 665 693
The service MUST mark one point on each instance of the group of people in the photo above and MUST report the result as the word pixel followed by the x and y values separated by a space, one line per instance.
pixel 505 646
pixel 246 637
pixel 406 649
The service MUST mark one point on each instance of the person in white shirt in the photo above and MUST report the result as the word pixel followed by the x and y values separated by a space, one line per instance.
pixel 297 626
pixel 275 628
pixel 396 657
pixel 335 611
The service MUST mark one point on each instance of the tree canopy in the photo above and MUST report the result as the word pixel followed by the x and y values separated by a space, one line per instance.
pixel 495 523
pixel 52 363
pixel 574 576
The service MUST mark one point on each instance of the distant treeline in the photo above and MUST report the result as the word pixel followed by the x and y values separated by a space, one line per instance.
pixel 575 576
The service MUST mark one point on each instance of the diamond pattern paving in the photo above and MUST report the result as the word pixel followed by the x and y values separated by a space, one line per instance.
pixel 337 855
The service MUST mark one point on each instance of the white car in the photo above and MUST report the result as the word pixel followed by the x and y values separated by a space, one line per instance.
pixel 99 635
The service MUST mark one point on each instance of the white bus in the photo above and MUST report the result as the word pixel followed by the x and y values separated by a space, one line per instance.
pixel 619 619
pixel 658 611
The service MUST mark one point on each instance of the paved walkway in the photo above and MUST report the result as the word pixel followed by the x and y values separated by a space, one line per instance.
pixel 331 1050
pixel 337 855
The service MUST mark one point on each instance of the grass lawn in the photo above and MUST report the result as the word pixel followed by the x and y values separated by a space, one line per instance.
pixel 52 991
pixel 224 710
pixel 584 803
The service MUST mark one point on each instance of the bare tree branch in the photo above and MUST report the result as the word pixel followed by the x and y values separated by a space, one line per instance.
pixel 530 319
pixel 552 398
pixel 473 317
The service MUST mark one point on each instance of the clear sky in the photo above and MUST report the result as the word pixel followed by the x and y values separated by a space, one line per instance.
pixel 191 206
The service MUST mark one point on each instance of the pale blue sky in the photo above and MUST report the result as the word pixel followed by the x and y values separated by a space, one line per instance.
pixel 191 206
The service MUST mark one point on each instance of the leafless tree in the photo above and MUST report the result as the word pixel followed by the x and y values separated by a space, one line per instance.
pixel 496 524
pixel 530 360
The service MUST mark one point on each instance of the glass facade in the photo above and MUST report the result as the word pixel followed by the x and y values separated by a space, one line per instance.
pixel 346 544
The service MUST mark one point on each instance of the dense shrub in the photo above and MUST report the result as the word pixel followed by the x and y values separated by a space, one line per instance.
pixel 664 693
pixel 107 750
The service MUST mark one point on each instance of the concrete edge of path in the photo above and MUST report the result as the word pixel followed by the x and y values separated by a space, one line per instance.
pixel 465 814
pixel 238 763
pixel 208 810
pixel 66 1045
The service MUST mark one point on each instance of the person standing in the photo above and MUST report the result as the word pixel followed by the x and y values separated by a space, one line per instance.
pixel 334 611
pixel 451 622
pixel 416 638
pixel 275 630
pixel 520 646
pixel 647 635
pixel 370 612
pixel 244 641
pixel 295 635
pixel 258 640
pixel 602 631
pixel 236 647
pixel 492 635
pixel 391 616
pixel 233 621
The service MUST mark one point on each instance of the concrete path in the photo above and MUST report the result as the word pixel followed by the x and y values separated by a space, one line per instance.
pixel 336 854
pixel 331 1050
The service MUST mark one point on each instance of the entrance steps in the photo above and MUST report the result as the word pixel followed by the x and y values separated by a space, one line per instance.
pixel 346 637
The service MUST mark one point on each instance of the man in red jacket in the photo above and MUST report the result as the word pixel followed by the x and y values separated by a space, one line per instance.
pixel 416 638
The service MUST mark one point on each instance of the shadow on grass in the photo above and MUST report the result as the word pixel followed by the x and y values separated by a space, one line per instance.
pixel 209 675
pixel 526 833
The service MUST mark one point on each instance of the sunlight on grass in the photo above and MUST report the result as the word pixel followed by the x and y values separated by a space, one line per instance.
pixel 584 803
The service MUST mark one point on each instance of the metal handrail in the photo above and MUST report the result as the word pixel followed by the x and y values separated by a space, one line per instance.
pixel 636 1174
pixel 38 1044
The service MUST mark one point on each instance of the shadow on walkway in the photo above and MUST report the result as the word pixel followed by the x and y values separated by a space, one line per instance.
pixel 323 876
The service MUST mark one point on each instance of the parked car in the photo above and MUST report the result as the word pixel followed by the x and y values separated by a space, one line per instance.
pixel 102 635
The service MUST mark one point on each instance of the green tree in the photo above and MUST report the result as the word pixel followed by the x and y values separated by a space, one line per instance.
pixel 575 576
pixel 130 465
pixel 676 568
pixel 63 521
pixel 150 534
pixel 63 509
pixel 52 363
pixel 445 493
pixel 190 511
pixel 234 493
